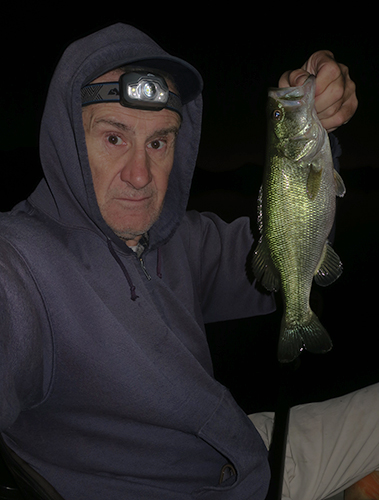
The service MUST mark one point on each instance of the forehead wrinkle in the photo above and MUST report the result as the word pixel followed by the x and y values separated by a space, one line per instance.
pixel 119 125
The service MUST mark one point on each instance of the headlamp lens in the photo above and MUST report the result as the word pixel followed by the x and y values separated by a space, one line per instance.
pixel 147 88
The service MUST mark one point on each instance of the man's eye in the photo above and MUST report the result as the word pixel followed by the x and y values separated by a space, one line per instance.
pixel 157 144
pixel 114 140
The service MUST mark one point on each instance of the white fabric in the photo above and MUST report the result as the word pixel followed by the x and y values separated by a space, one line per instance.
pixel 330 445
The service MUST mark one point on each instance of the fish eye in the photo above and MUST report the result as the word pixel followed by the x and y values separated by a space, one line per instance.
pixel 277 115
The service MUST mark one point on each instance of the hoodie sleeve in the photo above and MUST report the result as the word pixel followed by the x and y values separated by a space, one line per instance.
pixel 221 250
pixel 23 352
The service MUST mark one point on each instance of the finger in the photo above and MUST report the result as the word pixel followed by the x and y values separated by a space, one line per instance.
pixel 331 99
pixel 338 99
pixel 324 66
pixel 293 78
pixel 332 82
pixel 342 116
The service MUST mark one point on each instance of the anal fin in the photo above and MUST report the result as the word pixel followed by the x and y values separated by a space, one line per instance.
pixel 330 267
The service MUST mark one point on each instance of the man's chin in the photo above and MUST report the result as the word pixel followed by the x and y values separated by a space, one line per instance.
pixel 131 236
pixel 133 232
pixel 130 239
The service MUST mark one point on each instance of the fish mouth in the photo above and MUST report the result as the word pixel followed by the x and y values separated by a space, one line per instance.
pixel 295 96
pixel 310 137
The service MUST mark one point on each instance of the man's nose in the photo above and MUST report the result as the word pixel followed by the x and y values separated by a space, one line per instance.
pixel 136 170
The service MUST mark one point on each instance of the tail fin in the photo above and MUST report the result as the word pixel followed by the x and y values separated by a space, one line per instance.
pixel 311 336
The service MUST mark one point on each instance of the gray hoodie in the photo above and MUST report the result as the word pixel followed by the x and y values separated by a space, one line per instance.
pixel 106 381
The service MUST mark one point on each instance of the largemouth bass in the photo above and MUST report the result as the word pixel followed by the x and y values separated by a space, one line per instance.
pixel 296 211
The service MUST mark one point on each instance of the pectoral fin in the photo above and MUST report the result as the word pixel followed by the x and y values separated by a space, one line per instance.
pixel 330 267
pixel 264 269
pixel 313 182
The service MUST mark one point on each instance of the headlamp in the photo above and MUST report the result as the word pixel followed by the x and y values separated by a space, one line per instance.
pixel 139 90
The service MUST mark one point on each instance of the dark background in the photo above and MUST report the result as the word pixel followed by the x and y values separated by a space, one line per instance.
pixel 239 55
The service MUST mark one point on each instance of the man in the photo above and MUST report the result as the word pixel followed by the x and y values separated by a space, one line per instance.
pixel 107 387
pixel 131 154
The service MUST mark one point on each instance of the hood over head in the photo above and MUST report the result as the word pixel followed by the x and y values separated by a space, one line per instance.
pixel 67 192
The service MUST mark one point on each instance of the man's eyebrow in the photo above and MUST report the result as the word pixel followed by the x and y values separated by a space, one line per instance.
pixel 164 132
pixel 121 126
pixel 125 128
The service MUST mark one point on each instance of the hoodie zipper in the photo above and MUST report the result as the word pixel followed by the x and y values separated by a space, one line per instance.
pixel 144 269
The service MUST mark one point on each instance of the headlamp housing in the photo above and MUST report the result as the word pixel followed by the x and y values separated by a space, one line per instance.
pixel 137 89
pixel 144 89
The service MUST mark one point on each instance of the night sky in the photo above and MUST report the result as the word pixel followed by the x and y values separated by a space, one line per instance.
pixel 238 59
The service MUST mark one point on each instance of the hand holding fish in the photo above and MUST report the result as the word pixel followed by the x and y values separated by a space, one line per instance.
pixel 335 100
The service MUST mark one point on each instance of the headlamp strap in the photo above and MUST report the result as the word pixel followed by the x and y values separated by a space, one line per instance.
pixel 100 92
pixel 110 92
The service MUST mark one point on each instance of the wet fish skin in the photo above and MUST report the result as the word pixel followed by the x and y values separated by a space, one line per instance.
pixel 296 212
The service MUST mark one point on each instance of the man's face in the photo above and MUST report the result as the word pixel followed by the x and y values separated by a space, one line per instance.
pixel 131 153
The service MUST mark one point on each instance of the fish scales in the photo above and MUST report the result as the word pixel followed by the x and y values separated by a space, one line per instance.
pixel 296 213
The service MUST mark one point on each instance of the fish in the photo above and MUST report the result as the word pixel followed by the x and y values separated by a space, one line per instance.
pixel 296 212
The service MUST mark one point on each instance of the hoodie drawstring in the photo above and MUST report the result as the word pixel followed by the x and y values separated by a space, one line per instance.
pixel 159 263
pixel 133 294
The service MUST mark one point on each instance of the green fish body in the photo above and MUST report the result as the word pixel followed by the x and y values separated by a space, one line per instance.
pixel 295 214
